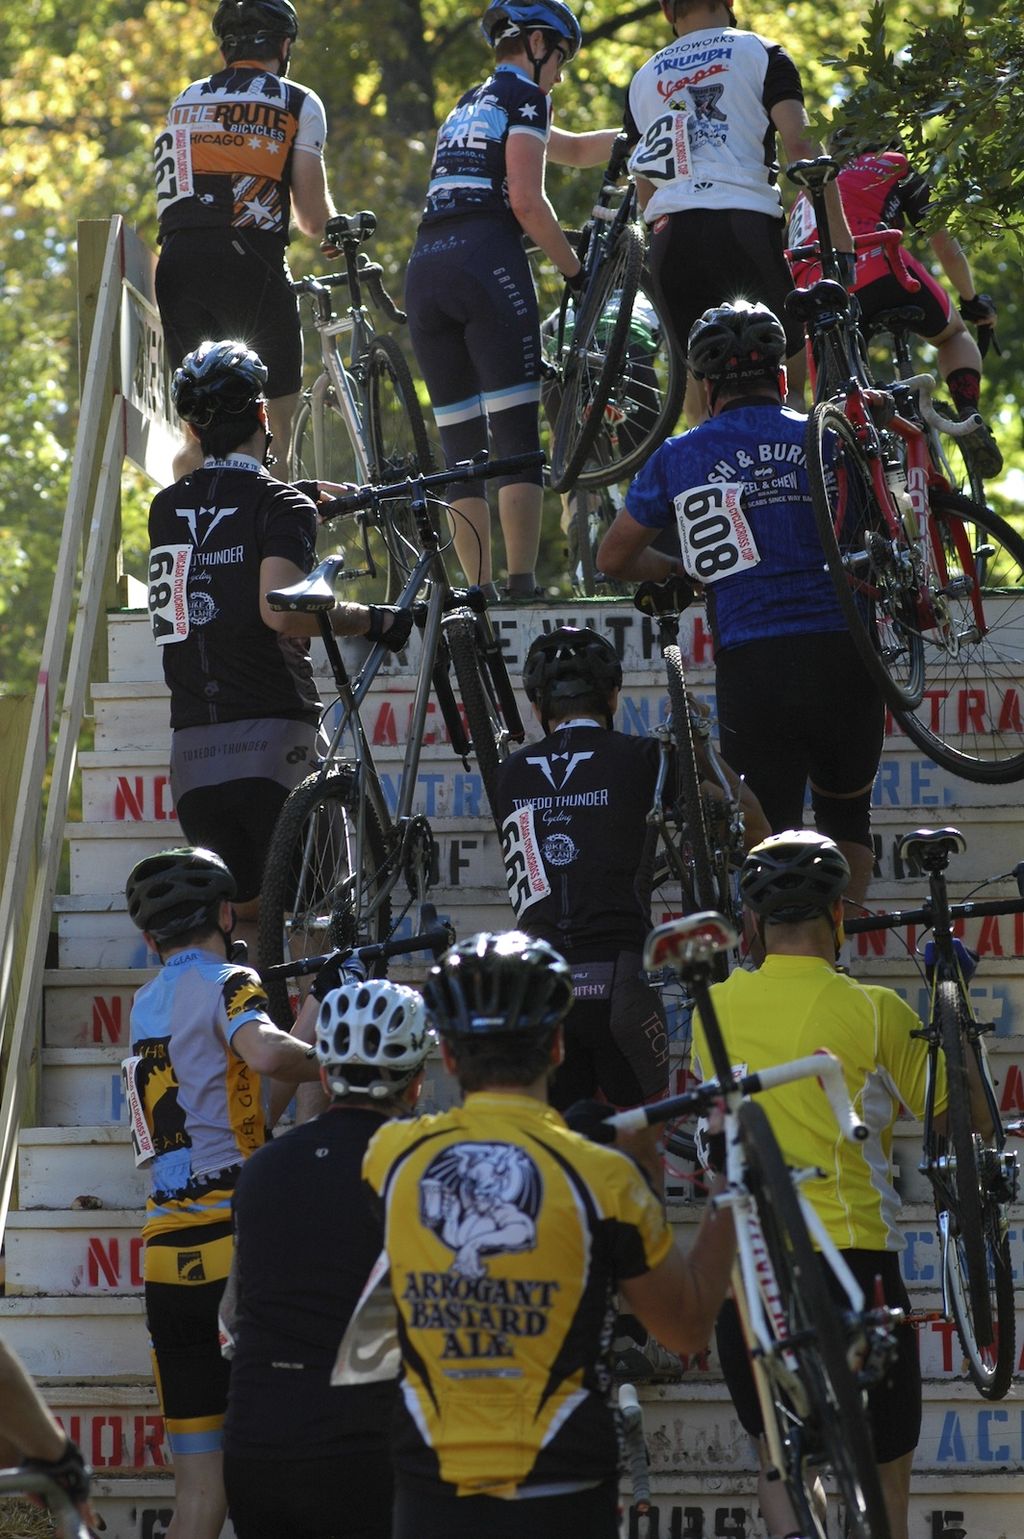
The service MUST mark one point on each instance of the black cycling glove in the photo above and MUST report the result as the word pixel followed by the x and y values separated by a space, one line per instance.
pixel 70 1472
pixel 847 263
pixel 342 968
pixel 981 308
pixel 591 1119
pixel 397 633
pixel 575 284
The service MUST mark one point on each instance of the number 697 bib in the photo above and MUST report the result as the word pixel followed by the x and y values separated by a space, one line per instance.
pixel 714 536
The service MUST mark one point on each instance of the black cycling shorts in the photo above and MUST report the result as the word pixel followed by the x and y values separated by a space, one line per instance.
pixel 616 1039
pixel 709 256
pixel 428 1514
pixel 185 1275
pixel 236 819
pixel 231 283
pixel 893 1404
pixel 344 1496
pixel 794 709
pixel 475 330
pixel 888 293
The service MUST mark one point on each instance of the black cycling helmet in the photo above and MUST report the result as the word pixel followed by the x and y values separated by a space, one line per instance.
pixel 219 379
pixel 174 892
pixel 740 341
pixel 569 663
pixel 254 21
pixel 793 876
pixel 514 18
pixel 493 984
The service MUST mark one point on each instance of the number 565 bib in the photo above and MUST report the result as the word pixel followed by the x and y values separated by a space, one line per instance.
pixel 715 539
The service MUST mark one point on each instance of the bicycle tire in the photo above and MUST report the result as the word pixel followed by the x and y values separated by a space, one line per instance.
pixel 595 355
pixel 644 404
pixel 399 447
pixel 873 577
pixel 483 714
pixel 696 845
pixel 990 1367
pixel 307 901
pixel 963 1190
pixel 832 1427
pixel 972 719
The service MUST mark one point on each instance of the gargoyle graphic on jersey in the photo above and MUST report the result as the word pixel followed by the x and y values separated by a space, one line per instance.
pixel 481 1199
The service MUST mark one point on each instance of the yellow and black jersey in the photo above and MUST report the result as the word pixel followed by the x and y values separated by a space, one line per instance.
pixel 507 1235
pixel 791 1007
pixel 194 1103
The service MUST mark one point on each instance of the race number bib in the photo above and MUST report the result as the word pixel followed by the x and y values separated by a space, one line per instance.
pixel 143 1147
pixel 168 592
pixel 172 167
pixel 714 536
pixel 524 869
pixel 663 154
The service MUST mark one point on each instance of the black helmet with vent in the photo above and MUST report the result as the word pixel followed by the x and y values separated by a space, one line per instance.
pixel 498 984
pixel 570 663
pixel 177 891
pixel 254 21
pixel 793 876
pixel 740 342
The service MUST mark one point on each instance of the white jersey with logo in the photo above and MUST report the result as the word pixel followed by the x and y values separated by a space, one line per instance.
pixel 698 114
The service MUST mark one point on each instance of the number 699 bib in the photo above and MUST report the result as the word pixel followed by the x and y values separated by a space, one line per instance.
pixel 714 537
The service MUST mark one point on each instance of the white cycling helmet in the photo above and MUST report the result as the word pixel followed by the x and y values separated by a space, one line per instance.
pixel 372 1038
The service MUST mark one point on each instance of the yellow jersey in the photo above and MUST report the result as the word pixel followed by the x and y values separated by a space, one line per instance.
pixel 791 1007
pixel 507 1235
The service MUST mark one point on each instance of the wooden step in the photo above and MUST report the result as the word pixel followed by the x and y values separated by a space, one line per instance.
pixel 70 1338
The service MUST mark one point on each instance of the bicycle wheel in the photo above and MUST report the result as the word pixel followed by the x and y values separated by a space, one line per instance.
pixel 990 1366
pixel 954 460
pixel 818 1405
pixel 337 460
pixel 594 356
pixel 645 400
pixel 961 1189
pixel 399 447
pixel 322 883
pixel 483 713
pixel 873 574
pixel 971 720
pixel 695 843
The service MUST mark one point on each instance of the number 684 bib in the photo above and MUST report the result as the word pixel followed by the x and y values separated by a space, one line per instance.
pixel 714 536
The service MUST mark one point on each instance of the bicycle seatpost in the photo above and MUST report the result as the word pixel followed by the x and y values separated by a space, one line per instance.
pixel 813 176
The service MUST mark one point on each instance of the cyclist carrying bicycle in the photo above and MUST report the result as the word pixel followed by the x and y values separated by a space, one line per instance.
pixel 296 1448
pixel 201 1040
pixel 793 1005
pixel 241 154
pixel 508 1236
pixel 473 315
pixel 244 706
pixel 737 488
pixel 880 191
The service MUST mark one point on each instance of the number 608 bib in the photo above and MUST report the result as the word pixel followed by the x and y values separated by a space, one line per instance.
pixel 714 537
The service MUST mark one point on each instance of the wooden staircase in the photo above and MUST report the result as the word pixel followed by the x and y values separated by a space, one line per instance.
pixel 73 1305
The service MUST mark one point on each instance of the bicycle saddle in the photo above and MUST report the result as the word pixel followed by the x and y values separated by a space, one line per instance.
pixel 669 597
pixel 903 318
pixel 826 294
pixel 314 594
pixel 813 174
pixel 931 848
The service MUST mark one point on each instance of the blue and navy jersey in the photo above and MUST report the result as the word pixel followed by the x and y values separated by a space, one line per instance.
pixel 758 448
pixel 468 175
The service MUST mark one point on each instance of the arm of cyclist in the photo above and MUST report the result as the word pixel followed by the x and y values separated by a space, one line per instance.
pixel 31 1434
pixel 590 149
pixel 271 1051
pixel 953 260
pixel 679 1299
pixel 312 204
pixel 624 552
pixel 790 119
pixel 524 164
pixel 378 621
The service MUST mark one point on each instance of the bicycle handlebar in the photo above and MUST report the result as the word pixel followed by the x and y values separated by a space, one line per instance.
pixel 436 939
pixel 925 915
pixel 465 470
pixel 370 273
pixel 67 1523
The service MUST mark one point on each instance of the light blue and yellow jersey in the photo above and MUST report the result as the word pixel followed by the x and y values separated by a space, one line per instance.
pixel 507 1236
pixel 789 1008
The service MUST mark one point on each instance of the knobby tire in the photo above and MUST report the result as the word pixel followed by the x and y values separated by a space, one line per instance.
pixel 483 715
pixel 399 448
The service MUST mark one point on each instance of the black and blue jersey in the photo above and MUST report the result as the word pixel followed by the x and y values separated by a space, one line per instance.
pixel 468 174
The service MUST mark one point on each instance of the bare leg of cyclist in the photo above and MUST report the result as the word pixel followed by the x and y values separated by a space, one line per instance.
pixel 247 923
pixel 861 862
pixel 780 1520
pixel 956 348
pixel 200 1505
pixel 280 411
pixel 894 1479
pixel 519 509
pixel 472 535
pixel 695 402
pixel 796 376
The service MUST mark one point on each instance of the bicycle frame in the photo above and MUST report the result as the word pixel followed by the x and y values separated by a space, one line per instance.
pixel 615 206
